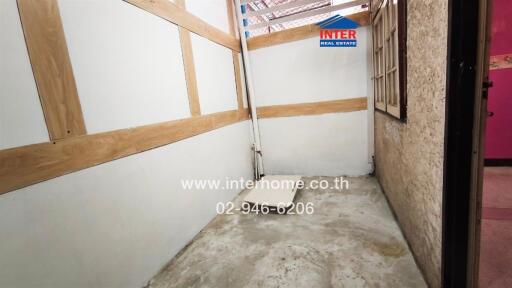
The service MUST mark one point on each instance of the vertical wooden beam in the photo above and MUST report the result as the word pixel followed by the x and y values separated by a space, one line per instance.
pixel 188 63
pixel 232 18
pixel 233 29
pixel 190 72
pixel 238 80
pixel 236 61
pixel 49 57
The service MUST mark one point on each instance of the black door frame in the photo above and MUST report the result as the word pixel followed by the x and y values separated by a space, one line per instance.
pixel 461 134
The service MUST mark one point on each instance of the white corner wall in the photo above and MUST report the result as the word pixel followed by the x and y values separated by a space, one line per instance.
pixel 116 224
pixel 302 72
pixel 127 64
pixel 119 223
pixel 21 115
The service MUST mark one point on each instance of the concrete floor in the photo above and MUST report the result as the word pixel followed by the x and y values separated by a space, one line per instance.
pixel 351 240
pixel 496 234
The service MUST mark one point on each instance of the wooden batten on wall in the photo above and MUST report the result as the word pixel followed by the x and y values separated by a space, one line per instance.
pixel 49 57
pixel 238 81
pixel 232 21
pixel 316 108
pixel 236 61
pixel 281 37
pixel 179 16
pixel 299 33
pixel 190 72
pixel 27 165
pixel 71 150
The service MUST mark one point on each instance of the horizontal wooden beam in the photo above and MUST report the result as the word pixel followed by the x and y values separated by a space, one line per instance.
pixel 179 16
pixel 27 165
pixel 284 36
pixel 315 108
pixel 299 33
pixel 49 57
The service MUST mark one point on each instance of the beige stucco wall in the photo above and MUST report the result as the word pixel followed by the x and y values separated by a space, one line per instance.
pixel 409 156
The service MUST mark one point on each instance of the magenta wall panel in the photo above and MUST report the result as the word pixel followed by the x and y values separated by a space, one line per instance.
pixel 499 126
pixel 501 27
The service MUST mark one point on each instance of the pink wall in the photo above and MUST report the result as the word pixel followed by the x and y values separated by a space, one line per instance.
pixel 499 127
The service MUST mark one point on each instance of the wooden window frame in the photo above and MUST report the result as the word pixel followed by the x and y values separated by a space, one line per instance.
pixel 395 107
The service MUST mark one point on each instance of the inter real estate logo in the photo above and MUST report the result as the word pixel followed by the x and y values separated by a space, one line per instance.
pixel 338 31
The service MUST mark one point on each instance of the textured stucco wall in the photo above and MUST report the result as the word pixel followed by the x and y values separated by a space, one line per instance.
pixel 409 156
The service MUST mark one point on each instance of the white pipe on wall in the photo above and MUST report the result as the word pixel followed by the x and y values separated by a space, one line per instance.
pixel 258 160
pixel 371 103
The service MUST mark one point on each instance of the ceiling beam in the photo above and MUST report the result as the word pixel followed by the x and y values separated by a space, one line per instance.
pixel 307 14
pixel 288 5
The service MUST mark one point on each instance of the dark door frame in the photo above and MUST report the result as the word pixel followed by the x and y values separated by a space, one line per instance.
pixel 463 161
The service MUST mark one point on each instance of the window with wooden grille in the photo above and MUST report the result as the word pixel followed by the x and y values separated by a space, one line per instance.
pixel 389 56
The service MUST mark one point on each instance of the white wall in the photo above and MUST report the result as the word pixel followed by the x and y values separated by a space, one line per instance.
pixel 215 75
pixel 327 145
pixel 302 72
pixel 116 224
pixel 125 75
pixel 214 12
pixel 21 115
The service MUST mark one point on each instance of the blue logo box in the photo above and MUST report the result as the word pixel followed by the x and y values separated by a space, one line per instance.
pixel 338 43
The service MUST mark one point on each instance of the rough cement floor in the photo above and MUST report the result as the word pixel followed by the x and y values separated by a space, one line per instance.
pixel 351 240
